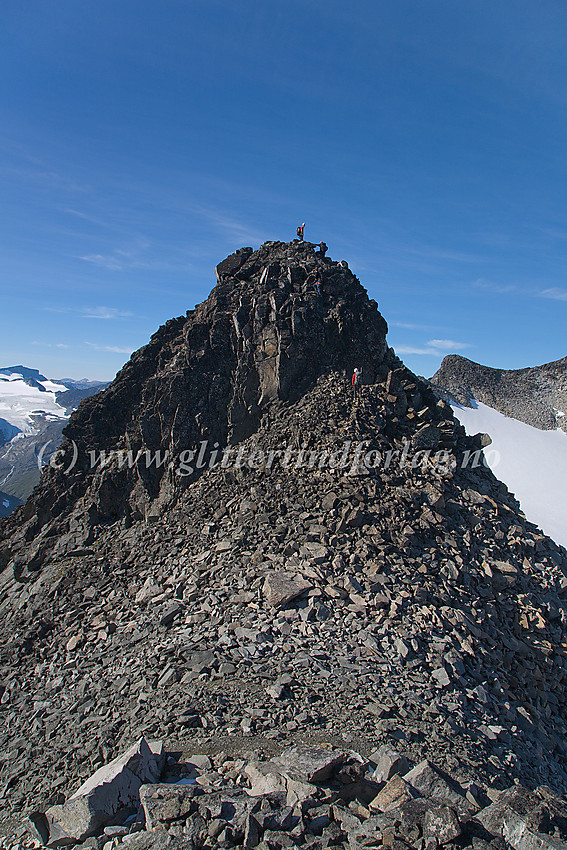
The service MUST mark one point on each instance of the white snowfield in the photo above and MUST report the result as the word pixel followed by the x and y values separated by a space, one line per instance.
pixel 532 464
pixel 18 402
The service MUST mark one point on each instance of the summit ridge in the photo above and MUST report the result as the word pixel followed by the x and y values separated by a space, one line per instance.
pixel 399 595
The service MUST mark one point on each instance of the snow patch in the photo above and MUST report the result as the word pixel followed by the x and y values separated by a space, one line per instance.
pixel 19 403
pixel 52 387
pixel 532 463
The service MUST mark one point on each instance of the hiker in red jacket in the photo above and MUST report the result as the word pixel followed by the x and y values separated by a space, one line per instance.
pixel 300 231
pixel 356 381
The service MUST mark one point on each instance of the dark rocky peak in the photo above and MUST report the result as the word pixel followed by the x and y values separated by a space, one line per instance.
pixel 396 599
pixel 263 337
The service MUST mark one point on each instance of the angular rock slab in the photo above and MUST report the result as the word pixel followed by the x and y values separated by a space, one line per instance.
pixel 389 763
pixel 436 785
pixel 395 792
pixel 268 778
pixel 312 764
pixel 519 836
pixel 113 787
pixel 282 588
pixel 163 803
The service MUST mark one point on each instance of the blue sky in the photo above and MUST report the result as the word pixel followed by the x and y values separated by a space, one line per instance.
pixel 141 142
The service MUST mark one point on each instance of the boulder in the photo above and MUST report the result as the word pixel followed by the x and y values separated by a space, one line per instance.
pixel 97 802
pixel 395 792
pixel 312 764
pixel 164 804
pixel 435 784
pixel 388 763
pixel 281 588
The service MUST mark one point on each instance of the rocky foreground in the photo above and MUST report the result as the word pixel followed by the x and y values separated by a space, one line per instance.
pixel 372 585
pixel 307 796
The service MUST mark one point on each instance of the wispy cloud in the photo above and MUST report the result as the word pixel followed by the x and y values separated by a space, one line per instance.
pixel 133 254
pixel 235 229
pixel 494 288
pixel 411 327
pixel 107 262
pixel 410 349
pixel 103 313
pixel 445 254
pixel 432 348
pixel 138 254
pixel 446 344
pixel 92 312
pixel 50 344
pixel 555 293
pixel 85 216
pixel 116 349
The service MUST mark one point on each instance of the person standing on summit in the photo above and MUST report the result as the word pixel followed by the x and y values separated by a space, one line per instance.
pixel 300 231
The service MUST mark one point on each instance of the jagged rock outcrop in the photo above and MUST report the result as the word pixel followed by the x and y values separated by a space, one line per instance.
pixel 352 573
pixel 536 395
pixel 262 337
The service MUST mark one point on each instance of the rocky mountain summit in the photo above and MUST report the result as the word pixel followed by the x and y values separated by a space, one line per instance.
pixel 536 395
pixel 301 567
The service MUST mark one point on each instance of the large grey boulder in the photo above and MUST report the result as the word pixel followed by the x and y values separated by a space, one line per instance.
pixel 519 835
pixel 312 764
pixel 524 818
pixel 388 763
pixel 97 802
pixel 436 785
pixel 165 803
pixel 282 588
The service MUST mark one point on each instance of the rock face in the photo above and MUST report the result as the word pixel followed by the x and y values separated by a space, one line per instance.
pixel 352 575
pixel 536 395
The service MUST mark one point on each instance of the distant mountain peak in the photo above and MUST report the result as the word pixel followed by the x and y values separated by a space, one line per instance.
pixel 536 395
pixel 24 371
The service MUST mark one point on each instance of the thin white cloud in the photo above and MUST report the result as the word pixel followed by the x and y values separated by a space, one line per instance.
pixel 50 344
pixel 495 288
pixel 411 327
pixel 85 216
pixel 446 344
pixel 432 348
pixel 139 254
pixel 116 349
pixel 445 254
pixel 107 262
pixel 234 229
pixel 103 313
pixel 555 293
pixel 409 349
pixel 92 312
